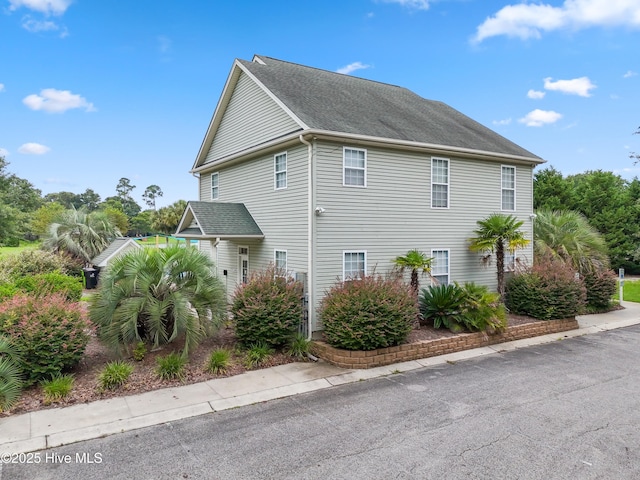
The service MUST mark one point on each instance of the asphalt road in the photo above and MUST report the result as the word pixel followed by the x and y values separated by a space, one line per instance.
pixel 564 410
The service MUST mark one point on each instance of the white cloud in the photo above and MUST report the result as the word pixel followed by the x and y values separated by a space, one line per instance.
pixel 4 152
pixel 536 94
pixel 629 74
pixel 538 118
pixel 1 87
pixel 164 44
pixel 417 4
pixel 33 149
pixel 57 101
pixel 352 67
pixel 48 7
pixel 31 25
pixel 506 121
pixel 529 20
pixel 577 86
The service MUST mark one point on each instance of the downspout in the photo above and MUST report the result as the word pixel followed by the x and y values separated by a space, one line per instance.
pixel 310 232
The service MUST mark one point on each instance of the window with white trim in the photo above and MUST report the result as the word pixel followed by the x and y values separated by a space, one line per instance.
pixel 440 267
pixel 354 167
pixel 509 260
pixel 215 188
pixel 280 170
pixel 439 182
pixel 280 260
pixel 508 188
pixel 354 265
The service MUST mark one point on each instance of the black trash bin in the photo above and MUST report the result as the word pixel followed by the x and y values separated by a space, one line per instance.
pixel 90 277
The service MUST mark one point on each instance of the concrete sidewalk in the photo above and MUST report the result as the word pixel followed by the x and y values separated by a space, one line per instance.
pixel 60 426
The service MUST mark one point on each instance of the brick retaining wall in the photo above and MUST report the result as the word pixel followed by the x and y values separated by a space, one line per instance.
pixel 431 348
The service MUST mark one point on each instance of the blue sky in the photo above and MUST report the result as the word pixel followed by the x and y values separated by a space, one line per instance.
pixel 92 91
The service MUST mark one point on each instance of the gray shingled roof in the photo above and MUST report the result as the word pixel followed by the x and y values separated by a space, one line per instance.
pixel 334 102
pixel 220 220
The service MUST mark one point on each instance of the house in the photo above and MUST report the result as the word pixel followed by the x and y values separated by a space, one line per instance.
pixel 117 247
pixel 331 176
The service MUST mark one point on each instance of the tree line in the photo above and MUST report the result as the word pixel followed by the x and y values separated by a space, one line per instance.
pixel 26 213
pixel 610 203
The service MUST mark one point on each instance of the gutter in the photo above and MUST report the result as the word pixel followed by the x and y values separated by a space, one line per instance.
pixel 310 232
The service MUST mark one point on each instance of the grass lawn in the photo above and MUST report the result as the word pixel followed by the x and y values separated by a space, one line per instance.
pixel 23 246
pixel 631 292
pixel 161 240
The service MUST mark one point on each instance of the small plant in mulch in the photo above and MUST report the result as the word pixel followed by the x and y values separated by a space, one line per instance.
pixel 114 375
pixel 140 351
pixel 219 361
pixel 57 388
pixel 257 354
pixel 171 366
pixel 299 346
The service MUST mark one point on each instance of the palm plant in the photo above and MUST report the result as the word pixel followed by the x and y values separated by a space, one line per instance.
pixel 445 305
pixel 568 236
pixel 497 233
pixel 158 295
pixel 417 262
pixel 10 374
pixel 80 234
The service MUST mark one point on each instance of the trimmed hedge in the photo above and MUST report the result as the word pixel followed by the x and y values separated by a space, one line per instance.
pixel 49 332
pixel 548 290
pixel 48 283
pixel 601 286
pixel 267 309
pixel 368 313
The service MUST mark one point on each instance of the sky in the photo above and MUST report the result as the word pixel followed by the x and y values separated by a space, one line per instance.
pixel 93 91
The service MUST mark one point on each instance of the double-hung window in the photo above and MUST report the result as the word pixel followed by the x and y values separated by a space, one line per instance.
pixel 354 167
pixel 215 188
pixel 280 170
pixel 354 265
pixel 509 260
pixel 280 261
pixel 440 267
pixel 508 188
pixel 439 183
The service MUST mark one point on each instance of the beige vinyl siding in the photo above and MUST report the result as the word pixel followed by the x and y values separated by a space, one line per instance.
pixel 393 213
pixel 251 118
pixel 281 214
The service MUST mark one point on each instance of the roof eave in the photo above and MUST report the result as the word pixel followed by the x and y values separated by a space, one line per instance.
pixel 372 141
pixel 220 237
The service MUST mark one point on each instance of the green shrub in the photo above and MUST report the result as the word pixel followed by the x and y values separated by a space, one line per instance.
pixel 267 309
pixel 257 355
pixel 171 366
pixel 218 361
pixel 7 290
pixel 158 295
pixel 483 309
pixel 444 305
pixel 33 262
pixel 10 374
pixel 49 332
pixel 548 290
pixel 53 282
pixel 368 313
pixel 57 387
pixel 140 351
pixel 601 287
pixel 114 375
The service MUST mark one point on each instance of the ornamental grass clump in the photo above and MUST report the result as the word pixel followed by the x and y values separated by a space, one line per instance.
pixel 368 313
pixel 267 309
pixel 49 332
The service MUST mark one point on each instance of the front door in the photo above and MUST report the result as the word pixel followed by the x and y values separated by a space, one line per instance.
pixel 243 264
